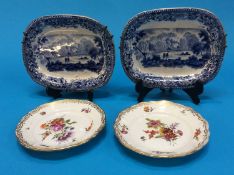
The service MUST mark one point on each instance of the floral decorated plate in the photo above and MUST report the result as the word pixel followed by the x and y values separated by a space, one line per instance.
pixel 60 125
pixel 161 129
pixel 173 48
pixel 68 52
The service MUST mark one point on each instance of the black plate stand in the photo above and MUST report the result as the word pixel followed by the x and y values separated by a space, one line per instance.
pixel 57 93
pixel 193 92
pixel 90 95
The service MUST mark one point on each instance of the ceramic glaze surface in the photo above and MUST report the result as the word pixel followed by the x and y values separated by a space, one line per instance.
pixel 68 52
pixel 161 129
pixel 60 125
pixel 172 47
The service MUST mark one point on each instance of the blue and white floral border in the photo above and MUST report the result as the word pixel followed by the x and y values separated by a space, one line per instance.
pixel 66 20
pixel 218 40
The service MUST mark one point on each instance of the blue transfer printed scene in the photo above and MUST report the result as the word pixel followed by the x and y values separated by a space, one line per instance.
pixel 176 47
pixel 67 51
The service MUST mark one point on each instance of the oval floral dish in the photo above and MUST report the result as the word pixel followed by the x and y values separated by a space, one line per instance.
pixel 68 52
pixel 60 125
pixel 173 48
pixel 161 129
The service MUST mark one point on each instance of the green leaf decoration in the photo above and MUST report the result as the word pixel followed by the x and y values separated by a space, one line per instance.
pixel 67 121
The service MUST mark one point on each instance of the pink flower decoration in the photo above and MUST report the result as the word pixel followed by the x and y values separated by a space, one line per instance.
pixel 57 127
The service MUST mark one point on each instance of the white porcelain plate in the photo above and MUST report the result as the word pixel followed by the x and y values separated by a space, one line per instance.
pixel 173 48
pixel 68 52
pixel 60 125
pixel 161 129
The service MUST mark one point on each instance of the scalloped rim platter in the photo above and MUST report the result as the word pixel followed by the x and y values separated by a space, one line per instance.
pixel 162 129
pixel 173 48
pixel 60 125
pixel 68 52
